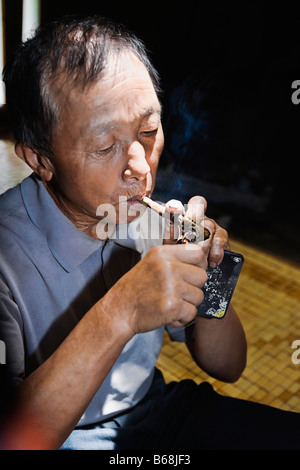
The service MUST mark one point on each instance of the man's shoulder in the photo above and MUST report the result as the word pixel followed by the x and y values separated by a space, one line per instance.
pixel 10 203
pixel 14 220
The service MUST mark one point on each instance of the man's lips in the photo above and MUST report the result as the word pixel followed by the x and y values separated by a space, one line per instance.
pixel 132 206
pixel 134 200
pixel 137 198
pixel 129 200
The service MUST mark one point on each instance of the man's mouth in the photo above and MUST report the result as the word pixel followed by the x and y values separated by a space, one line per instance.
pixel 136 199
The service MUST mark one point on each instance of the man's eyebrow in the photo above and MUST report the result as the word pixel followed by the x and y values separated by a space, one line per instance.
pixel 150 110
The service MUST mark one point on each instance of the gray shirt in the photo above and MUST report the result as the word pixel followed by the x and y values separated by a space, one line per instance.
pixel 51 274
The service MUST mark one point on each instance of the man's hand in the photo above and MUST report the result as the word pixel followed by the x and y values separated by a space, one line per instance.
pixel 165 287
pixel 197 205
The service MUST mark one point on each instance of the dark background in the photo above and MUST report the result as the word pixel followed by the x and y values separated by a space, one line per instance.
pixel 232 131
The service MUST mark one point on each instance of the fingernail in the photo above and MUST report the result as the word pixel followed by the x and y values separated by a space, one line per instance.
pixel 213 264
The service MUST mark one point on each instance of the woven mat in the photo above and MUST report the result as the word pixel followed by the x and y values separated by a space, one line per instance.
pixel 267 299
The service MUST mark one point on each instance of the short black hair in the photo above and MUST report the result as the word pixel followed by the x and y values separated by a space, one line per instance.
pixel 76 49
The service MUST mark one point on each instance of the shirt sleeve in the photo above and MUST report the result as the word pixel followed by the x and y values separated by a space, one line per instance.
pixel 11 334
pixel 181 334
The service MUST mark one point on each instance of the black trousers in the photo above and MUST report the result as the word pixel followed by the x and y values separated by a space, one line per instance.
pixel 187 416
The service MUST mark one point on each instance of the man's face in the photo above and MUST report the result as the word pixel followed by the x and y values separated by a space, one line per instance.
pixel 108 142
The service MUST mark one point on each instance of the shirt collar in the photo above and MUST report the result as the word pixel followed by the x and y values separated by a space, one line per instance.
pixel 69 245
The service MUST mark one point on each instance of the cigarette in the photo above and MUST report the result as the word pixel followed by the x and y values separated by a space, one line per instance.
pixel 154 205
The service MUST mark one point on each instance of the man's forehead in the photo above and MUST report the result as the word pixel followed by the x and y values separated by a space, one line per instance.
pixel 122 84
pixel 104 125
pixel 121 71
pixel 115 98
pixel 125 64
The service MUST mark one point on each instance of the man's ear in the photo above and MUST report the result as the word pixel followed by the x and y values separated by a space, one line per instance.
pixel 39 163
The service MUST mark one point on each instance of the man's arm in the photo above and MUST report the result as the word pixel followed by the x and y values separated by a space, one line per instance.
pixel 163 288
pixel 219 346
pixel 52 399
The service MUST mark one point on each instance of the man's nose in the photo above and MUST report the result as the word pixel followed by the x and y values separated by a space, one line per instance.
pixel 137 165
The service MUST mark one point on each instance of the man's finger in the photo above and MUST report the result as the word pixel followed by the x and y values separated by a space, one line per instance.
pixel 219 244
pixel 196 208
pixel 193 253
pixel 172 229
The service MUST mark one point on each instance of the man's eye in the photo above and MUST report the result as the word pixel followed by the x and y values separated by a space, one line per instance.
pixel 150 133
pixel 104 151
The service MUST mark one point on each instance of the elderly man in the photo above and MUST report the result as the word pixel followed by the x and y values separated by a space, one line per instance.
pixel 82 313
